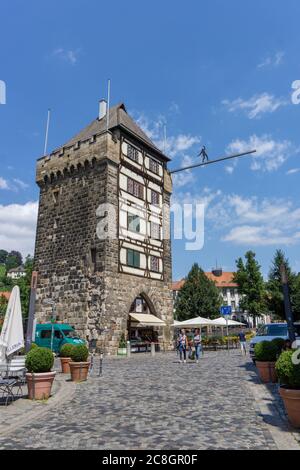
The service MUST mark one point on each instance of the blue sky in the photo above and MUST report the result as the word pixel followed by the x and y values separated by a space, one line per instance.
pixel 217 73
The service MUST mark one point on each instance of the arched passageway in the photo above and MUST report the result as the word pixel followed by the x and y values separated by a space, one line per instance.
pixel 143 326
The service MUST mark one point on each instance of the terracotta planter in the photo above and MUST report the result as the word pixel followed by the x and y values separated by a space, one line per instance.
pixel 39 385
pixel 122 351
pixel 266 371
pixel 79 371
pixel 291 399
pixel 65 368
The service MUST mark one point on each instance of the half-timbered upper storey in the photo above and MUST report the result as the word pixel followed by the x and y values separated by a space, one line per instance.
pixel 141 183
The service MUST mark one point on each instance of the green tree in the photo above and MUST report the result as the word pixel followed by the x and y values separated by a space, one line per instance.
pixel 3 256
pixel 199 296
pixel 251 286
pixel 274 286
pixel 3 305
pixel 6 283
pixel 13 260
pixel 24 283
pixel 295 297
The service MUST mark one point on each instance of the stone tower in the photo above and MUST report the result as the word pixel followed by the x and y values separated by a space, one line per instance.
pixel 103 249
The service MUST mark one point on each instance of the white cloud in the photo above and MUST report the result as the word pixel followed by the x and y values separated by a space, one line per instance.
pixel 292 171
pixel 245 221
pixel 67 55
pixel 17 227
pixel 272 61
pixel 256 106
pixel 20 183
pixel 186 177
pixel 270 154
pixel 3 183
pixel 254 222
pixel 260 236
pixel 173 145
pixel 13 185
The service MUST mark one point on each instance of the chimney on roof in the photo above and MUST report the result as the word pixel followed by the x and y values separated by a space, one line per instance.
pixel 102 109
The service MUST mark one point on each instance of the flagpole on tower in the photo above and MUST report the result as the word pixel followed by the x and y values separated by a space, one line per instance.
pixel 47 132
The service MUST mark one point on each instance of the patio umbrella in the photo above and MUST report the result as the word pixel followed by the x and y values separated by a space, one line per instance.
pixel 176 324
pixel 197 322
pixel 222 322
pixel 12 336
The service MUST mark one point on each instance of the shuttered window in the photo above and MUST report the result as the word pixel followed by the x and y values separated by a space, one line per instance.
pixel 135 188
pixel 132 153
pixel 154 263
pixel 155 231
pixel 154 197
pixel 133 258
pixel 154 166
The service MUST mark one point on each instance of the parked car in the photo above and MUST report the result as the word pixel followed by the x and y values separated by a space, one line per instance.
pixel 62 333
pixel 270 331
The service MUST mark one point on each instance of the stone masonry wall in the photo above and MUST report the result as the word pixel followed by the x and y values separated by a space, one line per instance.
pixel 76 269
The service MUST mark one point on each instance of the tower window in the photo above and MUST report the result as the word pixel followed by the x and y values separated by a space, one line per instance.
pixel 132 153
pixel 94 258
pixel 133 223
pixel 155 231
pixel 154 263
pixel 55 194
pixel 133 258
pixel 135 188
pixel 154 197
pixel 154 166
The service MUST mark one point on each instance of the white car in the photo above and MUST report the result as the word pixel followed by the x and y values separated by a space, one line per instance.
pixel 271 331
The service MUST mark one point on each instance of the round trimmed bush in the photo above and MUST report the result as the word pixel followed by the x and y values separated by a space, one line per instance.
pixel 79 353
pixel 266 351
pixel 288 372
pixel 66 350
pixel 39 360
pixel 279 342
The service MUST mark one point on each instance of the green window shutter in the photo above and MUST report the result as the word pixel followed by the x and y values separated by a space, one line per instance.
pixel 133 258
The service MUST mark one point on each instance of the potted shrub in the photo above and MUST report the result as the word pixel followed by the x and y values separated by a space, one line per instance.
pixel 288 372
pixel 266 354
pixel 39 362
pixel 65 357
pixel 79 364
pixel 122 350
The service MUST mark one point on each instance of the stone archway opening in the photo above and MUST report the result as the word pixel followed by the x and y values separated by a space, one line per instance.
pixel 141 328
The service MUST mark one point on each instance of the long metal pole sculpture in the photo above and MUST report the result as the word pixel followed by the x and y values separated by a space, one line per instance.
pixel 209 162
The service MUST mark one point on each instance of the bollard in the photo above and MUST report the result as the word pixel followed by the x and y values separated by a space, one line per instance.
pixel 152 349
pixel 128 349
pixel 101 364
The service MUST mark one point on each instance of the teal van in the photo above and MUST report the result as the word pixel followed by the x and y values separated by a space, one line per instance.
pixel 57 333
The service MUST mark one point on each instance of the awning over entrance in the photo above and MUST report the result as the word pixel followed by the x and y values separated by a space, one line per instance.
pixel 144 320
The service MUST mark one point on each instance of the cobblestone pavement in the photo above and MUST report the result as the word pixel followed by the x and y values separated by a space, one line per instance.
pixel 156 403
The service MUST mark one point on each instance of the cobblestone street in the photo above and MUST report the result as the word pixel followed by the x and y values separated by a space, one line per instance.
pixel 156 403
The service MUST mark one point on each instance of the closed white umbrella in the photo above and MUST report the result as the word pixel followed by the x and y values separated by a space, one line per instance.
pixel 12 336
pixel 222 322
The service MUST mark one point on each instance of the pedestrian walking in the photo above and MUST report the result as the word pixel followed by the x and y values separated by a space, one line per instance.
pixel 197 344
pixel 243 342
pixel 182 345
